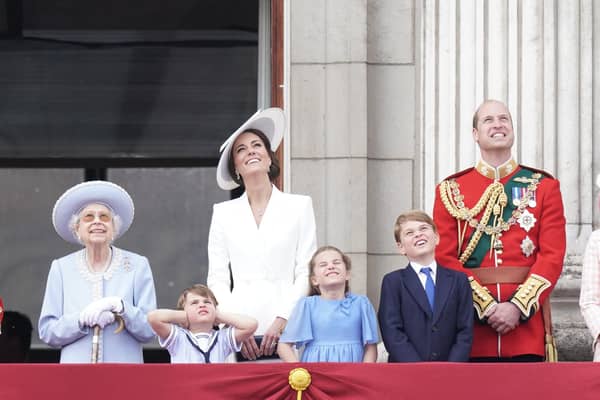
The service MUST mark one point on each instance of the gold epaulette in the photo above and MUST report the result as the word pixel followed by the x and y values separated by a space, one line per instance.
pixel 482 298
pixel 540 171
pixel 527 296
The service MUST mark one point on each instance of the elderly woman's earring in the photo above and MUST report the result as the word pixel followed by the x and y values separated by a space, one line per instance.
pixel 237 174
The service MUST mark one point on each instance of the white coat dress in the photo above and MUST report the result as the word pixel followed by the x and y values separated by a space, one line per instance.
pixel 269 263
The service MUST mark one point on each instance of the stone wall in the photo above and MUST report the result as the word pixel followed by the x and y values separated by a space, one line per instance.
pixel 381 95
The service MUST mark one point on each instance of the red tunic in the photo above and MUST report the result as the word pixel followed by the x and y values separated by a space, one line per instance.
pixel 546 259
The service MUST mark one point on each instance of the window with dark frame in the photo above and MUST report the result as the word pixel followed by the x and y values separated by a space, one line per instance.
pixel 112 83
pixel 139 92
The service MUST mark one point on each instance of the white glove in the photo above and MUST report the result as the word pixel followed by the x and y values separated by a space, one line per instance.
pixel 91 313
pixel 105 318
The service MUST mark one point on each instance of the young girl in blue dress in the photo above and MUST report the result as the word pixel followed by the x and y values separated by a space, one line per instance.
pixel 332 324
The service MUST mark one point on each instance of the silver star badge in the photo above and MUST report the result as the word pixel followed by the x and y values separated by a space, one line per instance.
pixel 527 220
pixel 527 246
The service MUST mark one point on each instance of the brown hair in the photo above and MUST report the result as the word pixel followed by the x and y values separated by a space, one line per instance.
pixel 274 169
pixel 412 215
pixel 200 290
pixel 314 290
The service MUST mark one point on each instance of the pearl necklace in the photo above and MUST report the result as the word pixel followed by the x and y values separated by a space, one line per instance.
pixel 104 267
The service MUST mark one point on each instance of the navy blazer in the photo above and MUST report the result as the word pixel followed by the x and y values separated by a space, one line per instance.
pixel 411 331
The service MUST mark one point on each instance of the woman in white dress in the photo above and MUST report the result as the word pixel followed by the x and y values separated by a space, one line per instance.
pixel 263 239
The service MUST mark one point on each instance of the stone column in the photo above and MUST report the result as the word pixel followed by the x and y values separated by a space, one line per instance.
pixel 328 131
pixel 393 145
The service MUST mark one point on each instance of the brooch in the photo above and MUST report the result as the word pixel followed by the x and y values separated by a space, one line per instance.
pixel 126 264
pixel 527 246
pixel 526 220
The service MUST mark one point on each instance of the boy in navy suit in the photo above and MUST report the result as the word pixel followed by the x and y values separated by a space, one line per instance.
pixel 426 310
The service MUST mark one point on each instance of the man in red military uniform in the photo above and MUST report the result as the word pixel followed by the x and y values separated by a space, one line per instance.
pixel 503 225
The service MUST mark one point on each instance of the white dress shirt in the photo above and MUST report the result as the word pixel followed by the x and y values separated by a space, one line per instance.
pixel 422 277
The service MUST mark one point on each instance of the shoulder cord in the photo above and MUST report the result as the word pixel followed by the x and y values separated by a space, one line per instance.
pixel 452 200
pixel 494 199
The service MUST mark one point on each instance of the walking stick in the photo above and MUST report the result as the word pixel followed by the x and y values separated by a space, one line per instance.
pixel 95 340
pixel 96 337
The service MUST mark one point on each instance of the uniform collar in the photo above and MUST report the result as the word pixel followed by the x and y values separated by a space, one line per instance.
pixel 498 173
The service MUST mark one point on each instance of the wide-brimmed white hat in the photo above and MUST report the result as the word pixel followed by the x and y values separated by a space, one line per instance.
pixel 76 198
pixel 270 121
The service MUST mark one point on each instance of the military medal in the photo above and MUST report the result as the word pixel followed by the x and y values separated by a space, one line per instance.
pixel 532 202
pixel 527 246
pixel 526 220
pixel 517 195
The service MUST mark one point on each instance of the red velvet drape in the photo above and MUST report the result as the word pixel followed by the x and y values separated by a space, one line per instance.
pixel 570 381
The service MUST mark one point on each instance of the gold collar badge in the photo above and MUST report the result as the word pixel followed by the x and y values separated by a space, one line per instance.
pixel 498 173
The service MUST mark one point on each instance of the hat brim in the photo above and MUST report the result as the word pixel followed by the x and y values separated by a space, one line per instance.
pixel 83 194
pixel 270 121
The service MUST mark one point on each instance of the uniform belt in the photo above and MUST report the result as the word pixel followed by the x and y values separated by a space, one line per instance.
pixel 504 274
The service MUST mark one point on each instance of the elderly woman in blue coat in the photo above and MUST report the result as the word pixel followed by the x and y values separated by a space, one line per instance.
pixel 93 292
